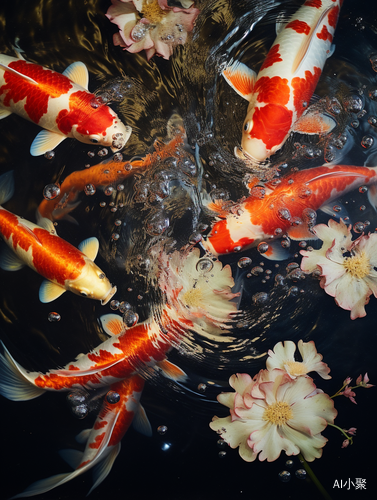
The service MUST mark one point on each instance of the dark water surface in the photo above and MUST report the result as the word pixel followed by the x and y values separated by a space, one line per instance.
pixel 184 463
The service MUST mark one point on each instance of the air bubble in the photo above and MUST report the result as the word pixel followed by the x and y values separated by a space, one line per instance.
pixel 300 473
pixel 114 304
pixel 109 190
pixel 367 141
pixel 222 454
pixel 278 231
pixel 103 152
pixel 244 262
pixel 285 242
pixel 355 123
pixel 337 208
pixel 309 216
pixel 363 207
pixel 289 463
pixel 118 157
pixel 115 236
pixel 260 298
pixel 284 214
pixel 222 444
pixel 359 227
pixel 112 397
pixel 91 154
pixel 373 94
pixel 156 224
pixel 372 120
pixel 262 247
pixel 80 411
pixel 204 265
pixel 162 429
pixel 114 209
pixel 303 244
pixel 284 476
pixel 49 155
pixel 257 270
pixel 53 317
pixel 102 204
pixel 130 318
pixel 76 399
pixel 334 106
pixel 89 189
pixel 124 306
pixel 354 104
pixel 51 191
pixel 202 387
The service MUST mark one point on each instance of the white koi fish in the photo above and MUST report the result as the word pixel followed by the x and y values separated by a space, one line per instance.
pixel 60 103
pixel 281 91
pixel 64 266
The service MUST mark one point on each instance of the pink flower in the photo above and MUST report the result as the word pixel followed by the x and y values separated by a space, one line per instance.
pixel 151 25
pixel 345 443
pixel 351 431
pixel 363 382
pixel 282 356
pixel 348 393
pixel 348 268
pixel 273 412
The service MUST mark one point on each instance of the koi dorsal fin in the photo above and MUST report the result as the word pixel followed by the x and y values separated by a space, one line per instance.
pixel 78 73
pixel 17 73
pixel 89 247
pixel 241 78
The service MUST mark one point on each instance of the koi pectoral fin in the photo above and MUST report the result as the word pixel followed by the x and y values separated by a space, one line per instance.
pixel 241 79
pixel 4 113
pixel 45 141
pixel 314 123
pixel 172 371
pixel 9 260
pixel 50 291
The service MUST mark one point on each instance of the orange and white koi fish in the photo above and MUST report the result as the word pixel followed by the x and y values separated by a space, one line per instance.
pixel 287 207
pixel 64 266
pixel 127 352
pixel 60 103
pixel 104 174
pixel 281 91
pixel 103 441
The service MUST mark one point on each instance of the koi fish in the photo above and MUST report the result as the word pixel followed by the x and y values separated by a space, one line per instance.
pixel 60 103
pixel 103 441
pixel 288 207
pixel 64 266
pixel 104 174
pixel 281 91
pixel 127 352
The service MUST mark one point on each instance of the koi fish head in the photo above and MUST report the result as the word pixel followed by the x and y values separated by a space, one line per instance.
pixel 92 283
pixel 103 127
pixel 265 130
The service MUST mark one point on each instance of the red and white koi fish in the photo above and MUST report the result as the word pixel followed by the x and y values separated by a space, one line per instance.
pixel 281 91
pixel 103 441
pixel 64 266
pixel 60 103
pixel 287 207
pixel 127 352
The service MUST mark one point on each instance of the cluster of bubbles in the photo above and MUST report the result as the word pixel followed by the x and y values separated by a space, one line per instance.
pixel 82 402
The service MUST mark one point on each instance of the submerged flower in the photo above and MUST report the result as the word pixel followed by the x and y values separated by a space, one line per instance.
pixel 348 268
pixel 199 289
pixel 151 25
pixel 272 413
pixel 282 356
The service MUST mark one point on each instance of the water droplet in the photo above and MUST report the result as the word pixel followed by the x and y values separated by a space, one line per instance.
pixel 359 227
pixel 89 189
pixel 102 204
pixel 262 247
pixel 367 141
pixel 302 244
pixel 222 444
pixel 202 387
pixel 91 154
pixel 103 152
pixel 114 209
pixel 130 318
pixel 118 222
pixel 362 207
pixel 284 476
pixel 204 265
pixel 120 187
pixel 278 231
pixel 300 473
pixel 334 106
pixel 115 236
pixel 355 123
pixel 285 242
pixel 337 208
pixel 114 304
pixel 284 214
pixel 118 157
pixel 124 306
pixel 109 190
pixel 373 94
pixel 372 120
pixel 244 262
pixel 354 104
pixel 51 191
pixel 49 155
pixel 80 411
pixel 257 270
pixel 289 463
pixel 260 298
pixel 222 454
pixel 162 429
pixel 112 397
pixel 53 317
pixel 309 216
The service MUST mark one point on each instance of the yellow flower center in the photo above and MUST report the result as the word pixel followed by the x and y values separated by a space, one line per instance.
pixel 278 413
pixel 296 368
pixel 153 12
pixel 358 265
pixel 193 298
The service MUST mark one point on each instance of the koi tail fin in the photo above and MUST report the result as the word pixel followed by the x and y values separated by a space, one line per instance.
pixel 14 384
pixel 102 470
pixel 6 187
pixel 44 485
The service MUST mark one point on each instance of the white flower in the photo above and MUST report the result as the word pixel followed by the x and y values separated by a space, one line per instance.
pixel 151 25
pixel 348 268
pixel 199 289
pixel 272 413
pixel 282 356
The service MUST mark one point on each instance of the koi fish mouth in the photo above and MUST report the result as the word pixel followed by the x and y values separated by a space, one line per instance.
pixel 120 139
pixel 106 299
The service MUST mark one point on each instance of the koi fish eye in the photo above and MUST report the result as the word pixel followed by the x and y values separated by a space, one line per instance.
pixel 248 126
pixel 83 294
pixel 102 276
pixel 94 141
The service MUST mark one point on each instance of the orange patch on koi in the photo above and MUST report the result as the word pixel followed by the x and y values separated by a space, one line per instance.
pixel 325 34
pixel 272 57
pixel 303 88
pixel 273 90
pixel 299 26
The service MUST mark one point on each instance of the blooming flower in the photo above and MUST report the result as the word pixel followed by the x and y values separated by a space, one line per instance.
pixel 199 289
pixel 363 382
pixel 282 356
pixel 151 25
pixel 348 268
pixel 272 413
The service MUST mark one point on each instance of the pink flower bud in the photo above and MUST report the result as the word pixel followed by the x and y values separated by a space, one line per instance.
pixel 345 443
pixel 351 431
pixel 359 379
pixel 347 381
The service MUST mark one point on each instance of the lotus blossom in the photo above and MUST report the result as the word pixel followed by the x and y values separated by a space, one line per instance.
pixel 282 356
pixel 348 268
pixel 199 289
pixel 272 413
pixel 151 25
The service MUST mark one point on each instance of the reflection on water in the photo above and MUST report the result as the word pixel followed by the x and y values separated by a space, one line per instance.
pixel 164 203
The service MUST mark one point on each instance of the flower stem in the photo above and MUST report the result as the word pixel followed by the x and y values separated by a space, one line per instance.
pixel 314 478
pixel 342 431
